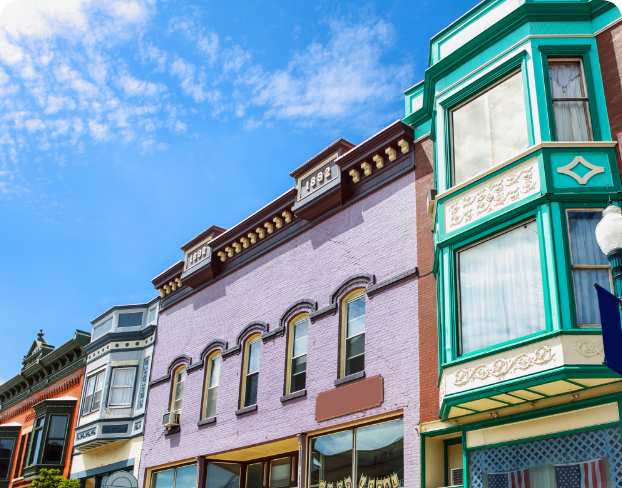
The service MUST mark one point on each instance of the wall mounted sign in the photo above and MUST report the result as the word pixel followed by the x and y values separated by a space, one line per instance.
pixel 348 399
pixel 201 252
pixel 319 177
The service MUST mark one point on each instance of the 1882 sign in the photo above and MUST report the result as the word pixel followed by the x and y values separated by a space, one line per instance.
pixel 318 178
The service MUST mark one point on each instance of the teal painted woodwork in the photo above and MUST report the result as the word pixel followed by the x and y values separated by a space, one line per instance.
pixel 580 170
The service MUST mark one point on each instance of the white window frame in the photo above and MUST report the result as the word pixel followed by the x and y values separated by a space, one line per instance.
pixel 112 387
pixel 88 398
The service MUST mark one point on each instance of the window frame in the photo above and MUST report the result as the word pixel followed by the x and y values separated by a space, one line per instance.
pixel 573 266
pixel 47 437
pixel 580 52
pixel 93 376
pixel 208 372
pixel 350 297
pixel 252 339
pixel 299 318
pixel 267 464
pixel 47 412
pixel 174 388
pixel 151 479
pixel 477 240
pixel 111 386
pixel 12 435
pixel 100 324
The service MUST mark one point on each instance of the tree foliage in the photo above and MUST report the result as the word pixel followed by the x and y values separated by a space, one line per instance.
pixel 51 478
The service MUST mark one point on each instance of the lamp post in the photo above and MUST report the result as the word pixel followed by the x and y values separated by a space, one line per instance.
pixel 609 238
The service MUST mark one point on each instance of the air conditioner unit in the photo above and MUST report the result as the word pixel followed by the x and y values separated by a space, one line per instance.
pixel 456 477
pixel 170 419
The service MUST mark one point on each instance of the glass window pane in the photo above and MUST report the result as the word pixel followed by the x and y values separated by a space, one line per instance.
pixel 299 375
pixel 40 422
pixel 571 121
pixel 301 329
pixel 587 300
pixel 355 346
pixel 186 477
pixel 130 319
pixel 582 227
pixel 54 451
pixel 123 377
pixel 298 382
pixel 223 475
pixel 58 423
pixel 215 371
pixel 253 357
pixel 254 475
pixel 181 375
pixel 565 79
pixel 163 479
pixel 356 308
pixel 355 365
pixel 331 458
pixel 152 314
pixel 252 382
pixel 380 453
pixel 210 408
pixel 356 326
pixel 6 446
pixel 120 396
pixel 501 296
pixel 102 329
pixel 280 472
pixel 36 446
pixel 300 346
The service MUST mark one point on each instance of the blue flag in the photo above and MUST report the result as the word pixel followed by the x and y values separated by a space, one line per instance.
pixel 609 306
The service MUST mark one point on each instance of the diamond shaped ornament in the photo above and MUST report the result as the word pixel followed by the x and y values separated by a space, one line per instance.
pixel 582 180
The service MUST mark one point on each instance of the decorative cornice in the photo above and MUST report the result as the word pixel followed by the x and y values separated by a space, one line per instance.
pixel 589 349
pixel 502 367
pixel 362 278
pixel 391 282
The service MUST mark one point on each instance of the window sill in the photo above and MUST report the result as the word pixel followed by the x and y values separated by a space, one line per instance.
pixel 172 430
pixel 352 377
pixel 244 410
pixel 291 396
pixel 209 420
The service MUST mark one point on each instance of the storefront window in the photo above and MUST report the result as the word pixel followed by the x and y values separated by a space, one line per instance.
pixel 369 457
pixel 254 475
pixel 280 472
pixel 223 475
pixel 183 477
pixel 585 460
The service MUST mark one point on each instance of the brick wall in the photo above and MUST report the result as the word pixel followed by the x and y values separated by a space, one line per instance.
pixel 428 340
pixel 376 235
pixel 24 414
pixel 609 44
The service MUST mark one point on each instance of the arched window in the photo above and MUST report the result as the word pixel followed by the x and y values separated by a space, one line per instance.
pixel 211 384
pixel 296 375
pixel 178 389
pixel 250 370
pixel 353 333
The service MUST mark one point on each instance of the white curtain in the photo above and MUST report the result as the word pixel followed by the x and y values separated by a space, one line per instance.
pixel 122 387
pixel 570 117
pixel 490 129
pixel 501 295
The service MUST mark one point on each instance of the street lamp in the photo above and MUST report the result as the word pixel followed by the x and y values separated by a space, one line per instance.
pixel 609 237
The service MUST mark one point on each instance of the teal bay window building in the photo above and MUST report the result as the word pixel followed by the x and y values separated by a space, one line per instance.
pixel 517 102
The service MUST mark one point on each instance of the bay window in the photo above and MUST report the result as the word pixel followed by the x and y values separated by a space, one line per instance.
pixel 501 291
pixel 370 456
pixel 100 329
pixel 121 387
pixel 56 439
pixel 6 451
pixel 93 393
pixel 569 99
pixel 589 265
pixel 489 129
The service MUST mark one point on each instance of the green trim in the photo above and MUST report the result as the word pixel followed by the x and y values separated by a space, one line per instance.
pixel 422 453
pixel 465 462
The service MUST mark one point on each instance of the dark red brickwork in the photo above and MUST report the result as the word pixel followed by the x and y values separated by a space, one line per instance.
pixel 428 349
pixel 609 44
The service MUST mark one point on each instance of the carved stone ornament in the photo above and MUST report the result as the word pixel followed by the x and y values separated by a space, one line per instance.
pixel 568 170
pixel 588 349
pixel 499 193
pixel 501 367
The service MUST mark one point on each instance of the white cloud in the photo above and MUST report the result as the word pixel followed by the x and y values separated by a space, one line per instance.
pixel 193 82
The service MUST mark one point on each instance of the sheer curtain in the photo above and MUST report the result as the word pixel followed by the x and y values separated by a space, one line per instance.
pixel 570 116
pixel 501 296
pixel 122 387
pixel 585 252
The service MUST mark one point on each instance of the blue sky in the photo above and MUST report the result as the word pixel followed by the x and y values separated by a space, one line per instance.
pixel 129 126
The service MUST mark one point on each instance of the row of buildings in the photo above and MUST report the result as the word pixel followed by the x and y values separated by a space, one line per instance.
pixel 417 310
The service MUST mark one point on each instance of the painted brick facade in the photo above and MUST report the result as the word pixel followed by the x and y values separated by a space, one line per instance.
pixel 23 413
pixel 376 235
pixel 609 44
pixel 426 297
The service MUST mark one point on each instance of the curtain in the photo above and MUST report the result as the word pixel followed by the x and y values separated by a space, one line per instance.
pixel 501 294
pixel 570 117
pixel 122 387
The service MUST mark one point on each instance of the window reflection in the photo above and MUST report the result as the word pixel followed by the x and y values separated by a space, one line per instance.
pixel 380 452
pixel 223 475
pixel 280 470
pixel 331 458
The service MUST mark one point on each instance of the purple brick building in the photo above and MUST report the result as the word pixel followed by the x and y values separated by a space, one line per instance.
pixel 287 348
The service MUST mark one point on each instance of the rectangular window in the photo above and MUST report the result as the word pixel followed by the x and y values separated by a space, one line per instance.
pixel 570 101
pixel 21 452
pixel 121 387
pixel 355 336
pixel 298 376
pixel 183 477
pixel 480 128
pixel 6 449
pixel 178 398
pixel 501 293
pixel 212 386
pixel 101 329
pixel 254 475
pixel 130 319
pixel 280 472
pixel 589 265
pixel 223 475
pixel 56 439
pixel 36 440
pixel 93 393
pixel 152 315
pixel 252 373
pixel 359 457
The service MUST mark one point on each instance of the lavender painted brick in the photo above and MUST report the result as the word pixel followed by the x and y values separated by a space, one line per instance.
pixel 376 235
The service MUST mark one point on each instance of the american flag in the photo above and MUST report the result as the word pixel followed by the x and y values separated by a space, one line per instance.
pixel 586 474
pixel 509 479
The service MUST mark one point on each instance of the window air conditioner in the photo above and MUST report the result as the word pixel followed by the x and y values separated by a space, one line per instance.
pixel 456 477
pixel 170 419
